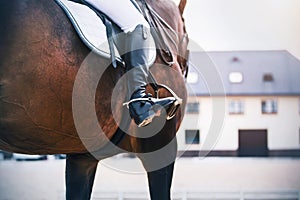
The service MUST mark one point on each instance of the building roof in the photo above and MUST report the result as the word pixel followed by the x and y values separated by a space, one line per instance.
pixel 243 73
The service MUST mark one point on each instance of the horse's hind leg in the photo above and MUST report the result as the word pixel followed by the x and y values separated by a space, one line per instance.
pixel 80 174
pixel 160 182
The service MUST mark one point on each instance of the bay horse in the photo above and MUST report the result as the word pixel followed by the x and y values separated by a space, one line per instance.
pixel 40 58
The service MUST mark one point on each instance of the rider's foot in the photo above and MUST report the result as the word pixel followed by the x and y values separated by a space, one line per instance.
pixel 144 108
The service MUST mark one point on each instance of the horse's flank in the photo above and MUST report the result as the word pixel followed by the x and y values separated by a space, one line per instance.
pixel 40 55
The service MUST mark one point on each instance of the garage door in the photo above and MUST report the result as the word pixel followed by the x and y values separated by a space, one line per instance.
pixel 253 143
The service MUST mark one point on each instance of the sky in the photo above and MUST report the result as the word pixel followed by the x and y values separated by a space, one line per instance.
pixel 221 25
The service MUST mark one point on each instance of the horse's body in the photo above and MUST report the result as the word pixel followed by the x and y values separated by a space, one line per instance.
pixel 40 55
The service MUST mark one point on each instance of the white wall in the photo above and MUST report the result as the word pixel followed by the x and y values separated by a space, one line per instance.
pixel 283 127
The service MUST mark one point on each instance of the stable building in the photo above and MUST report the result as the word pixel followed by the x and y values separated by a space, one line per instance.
pixel 242 103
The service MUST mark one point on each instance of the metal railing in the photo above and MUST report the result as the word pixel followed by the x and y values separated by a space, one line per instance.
pixel 204 195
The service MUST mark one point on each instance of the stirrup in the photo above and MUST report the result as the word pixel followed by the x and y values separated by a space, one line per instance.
pixel 153 108
pixel 138 99
pixel 171 112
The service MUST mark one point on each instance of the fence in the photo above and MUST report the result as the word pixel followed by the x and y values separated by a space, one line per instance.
pixel 204 195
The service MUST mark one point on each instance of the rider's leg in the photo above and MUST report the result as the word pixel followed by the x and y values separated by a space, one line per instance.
pixel 121 12
pixel 137 40
pixel 142 108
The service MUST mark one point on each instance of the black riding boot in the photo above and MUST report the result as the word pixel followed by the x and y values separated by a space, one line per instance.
pixel 142 107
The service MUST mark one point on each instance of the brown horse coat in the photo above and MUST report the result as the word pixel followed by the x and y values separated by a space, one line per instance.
pixel 40 55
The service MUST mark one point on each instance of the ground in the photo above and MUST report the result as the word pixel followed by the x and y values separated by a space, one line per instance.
pixel 118 176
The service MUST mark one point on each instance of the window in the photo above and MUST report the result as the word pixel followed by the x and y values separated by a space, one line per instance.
pixel 236 107
pixel 269 106
pixel 192 137
pixel 268 77
pixel 192 78
pixel 235 59
pixel 192 108
pixel 235 77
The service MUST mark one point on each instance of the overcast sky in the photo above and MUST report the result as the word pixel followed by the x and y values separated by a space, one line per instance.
pixel 244 24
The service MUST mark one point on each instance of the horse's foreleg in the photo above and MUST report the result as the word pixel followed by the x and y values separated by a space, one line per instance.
pixel 160 182
pixel 159 166
pixel 80 174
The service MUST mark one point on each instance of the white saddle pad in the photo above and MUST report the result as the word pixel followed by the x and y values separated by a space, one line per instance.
pixel 89 27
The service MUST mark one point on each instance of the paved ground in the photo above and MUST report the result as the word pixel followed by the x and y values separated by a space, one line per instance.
pixel 45 179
